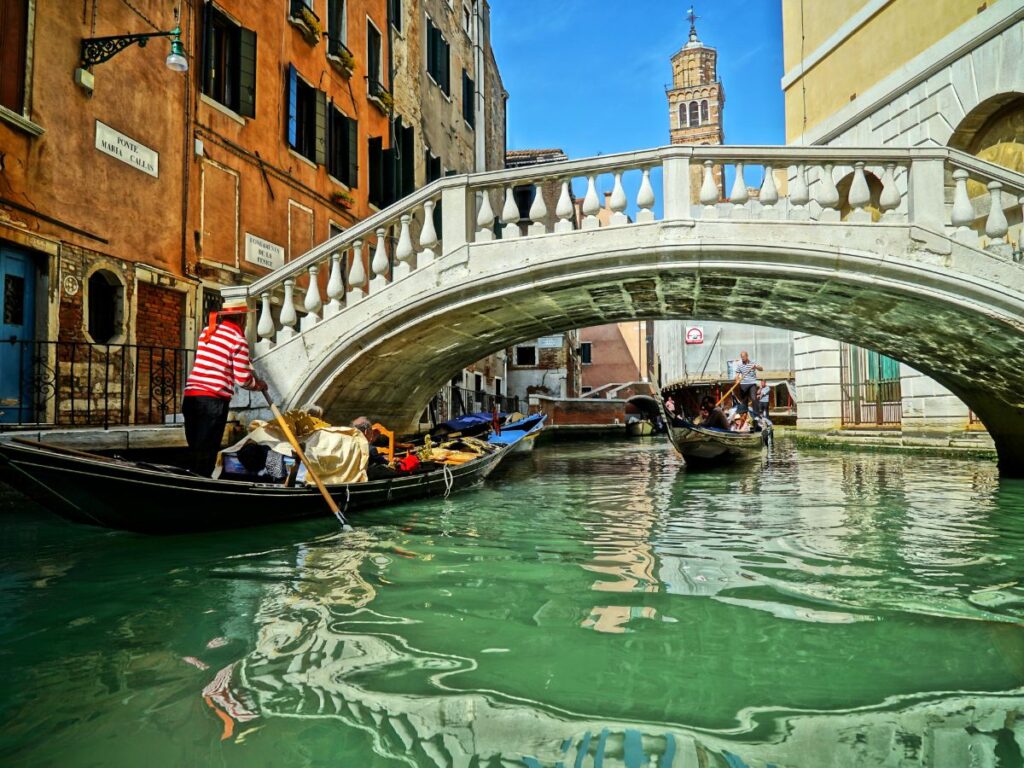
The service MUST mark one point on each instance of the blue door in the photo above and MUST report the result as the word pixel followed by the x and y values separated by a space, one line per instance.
pixel 17 332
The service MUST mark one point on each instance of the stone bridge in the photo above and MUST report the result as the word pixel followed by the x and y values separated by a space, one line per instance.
pixel 903 251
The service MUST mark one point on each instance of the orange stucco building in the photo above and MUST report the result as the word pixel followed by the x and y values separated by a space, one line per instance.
pixel 131 193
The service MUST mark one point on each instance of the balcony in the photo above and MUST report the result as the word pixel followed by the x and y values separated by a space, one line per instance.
pixel 340 57
pixel 302 17
pixel 379 96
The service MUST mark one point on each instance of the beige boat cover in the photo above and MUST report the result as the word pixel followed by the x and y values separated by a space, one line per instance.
pixel 337 454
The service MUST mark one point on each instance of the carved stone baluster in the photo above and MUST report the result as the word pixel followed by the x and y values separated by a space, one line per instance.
pixel 995 225
pixel 645 199
pixel 769 195
pixel 962 215
pixel 709 192
pixel 380 263
pixel 859 197
pixel 827 196
pixel 564 210
pixel 890 197
pixel 538 212
pixel 312 303
pixel 739 195
pixel 509 217
pixel 485 219
pixel 799 196
pixel 357 274
pixel 428 236
pixel 405 253
pixel 335 287
pixel 288 316
pixel 265 329
pixel 618 203
pixel 591 206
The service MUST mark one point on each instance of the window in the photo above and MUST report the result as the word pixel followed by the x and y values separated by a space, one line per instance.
pixel 307 118
pixel 105 298
pixel 704 112
pixel 478 383
pixel 229 63
pixel 343 147
pixel 333 230
pixel 405 159
pixel 694 113
pixel 468 100
pixel 438 55
pixel 682 116
pixel 585 352
pixel 337 27
pixel 526 355
pixel 497 386
pixel 395 12
pixel 13 42
pixel 433 165
pixel 374 74
pixel 467 20
pixel 584 390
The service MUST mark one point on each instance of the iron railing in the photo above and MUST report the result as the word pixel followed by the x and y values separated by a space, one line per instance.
pixel 452 402
pixel 73 383
pixel 872 403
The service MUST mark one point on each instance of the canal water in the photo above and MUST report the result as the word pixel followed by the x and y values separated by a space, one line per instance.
pixel 591 606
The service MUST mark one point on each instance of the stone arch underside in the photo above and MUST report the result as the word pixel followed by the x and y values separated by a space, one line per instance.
pixel 393 369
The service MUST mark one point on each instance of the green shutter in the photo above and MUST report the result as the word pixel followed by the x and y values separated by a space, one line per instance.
pixel 353 153
pixel 320 145
pixel 247 73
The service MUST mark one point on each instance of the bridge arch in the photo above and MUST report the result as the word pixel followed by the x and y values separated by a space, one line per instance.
pixel 908 283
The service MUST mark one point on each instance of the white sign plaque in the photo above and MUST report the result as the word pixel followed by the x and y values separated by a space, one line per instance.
pixel 263 252
pixel 127 150
pixel 694 334
pixel 549 342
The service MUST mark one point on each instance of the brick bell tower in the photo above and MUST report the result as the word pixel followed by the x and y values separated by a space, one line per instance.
pixel 696 98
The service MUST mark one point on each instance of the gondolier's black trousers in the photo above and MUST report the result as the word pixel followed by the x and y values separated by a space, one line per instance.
pixel 205 418
pixel 748 394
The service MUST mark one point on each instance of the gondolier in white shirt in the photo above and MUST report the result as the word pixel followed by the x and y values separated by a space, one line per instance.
pixel 746 378
pixel 222 361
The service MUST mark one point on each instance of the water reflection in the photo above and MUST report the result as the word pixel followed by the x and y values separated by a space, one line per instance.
pixel 591 607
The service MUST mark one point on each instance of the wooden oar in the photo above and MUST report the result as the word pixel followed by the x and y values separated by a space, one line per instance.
pixel 727 394
pixel 309 469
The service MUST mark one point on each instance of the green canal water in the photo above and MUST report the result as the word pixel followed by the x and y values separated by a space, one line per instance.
pixel 591 606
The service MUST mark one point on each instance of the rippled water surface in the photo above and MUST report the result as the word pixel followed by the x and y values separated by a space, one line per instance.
pixel 591 606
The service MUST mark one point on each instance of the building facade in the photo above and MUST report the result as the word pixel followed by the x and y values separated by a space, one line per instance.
pixel 901 73
pixel 130 194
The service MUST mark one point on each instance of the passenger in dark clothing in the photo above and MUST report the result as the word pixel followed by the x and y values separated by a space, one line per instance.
pixel 711 415
pixel 377 467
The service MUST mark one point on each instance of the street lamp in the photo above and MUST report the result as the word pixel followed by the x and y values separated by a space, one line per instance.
pixel 96 50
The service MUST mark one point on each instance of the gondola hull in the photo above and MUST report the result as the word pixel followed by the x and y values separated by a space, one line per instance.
pixel 702 446
pixel 156 500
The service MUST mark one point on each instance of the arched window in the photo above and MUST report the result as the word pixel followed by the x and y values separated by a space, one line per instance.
pixel 682 116
pixel 694 113
pixel 704 112
pixel 105 301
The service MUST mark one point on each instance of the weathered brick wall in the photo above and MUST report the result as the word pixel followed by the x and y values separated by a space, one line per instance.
pixel 577 412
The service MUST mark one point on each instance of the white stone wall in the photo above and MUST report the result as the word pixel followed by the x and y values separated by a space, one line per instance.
pixel 770 347
pixel 922 103
pixel 818 395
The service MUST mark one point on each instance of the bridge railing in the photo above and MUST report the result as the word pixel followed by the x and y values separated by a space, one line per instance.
pixel 940 189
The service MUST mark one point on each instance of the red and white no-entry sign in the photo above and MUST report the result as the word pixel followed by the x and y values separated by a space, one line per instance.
pixel 694 334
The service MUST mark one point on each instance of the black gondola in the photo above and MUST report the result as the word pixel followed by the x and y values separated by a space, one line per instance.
pixel 158 499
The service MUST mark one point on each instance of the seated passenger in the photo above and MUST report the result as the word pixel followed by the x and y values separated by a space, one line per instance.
pixel 711 415
pixel 377 466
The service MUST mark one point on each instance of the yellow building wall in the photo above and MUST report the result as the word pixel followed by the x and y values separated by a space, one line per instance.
pixel 896 34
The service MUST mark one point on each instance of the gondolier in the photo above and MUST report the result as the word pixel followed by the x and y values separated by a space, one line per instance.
pixel 746 378
pixel 222 361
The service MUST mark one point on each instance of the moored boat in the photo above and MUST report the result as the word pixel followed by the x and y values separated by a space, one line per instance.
pixel 160 499
pixel 520 434
pixel 639 428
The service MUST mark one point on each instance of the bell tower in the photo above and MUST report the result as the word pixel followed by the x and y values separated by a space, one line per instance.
pixel 696 98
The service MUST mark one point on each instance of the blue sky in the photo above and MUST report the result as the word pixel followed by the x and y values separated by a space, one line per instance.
pixel 590 77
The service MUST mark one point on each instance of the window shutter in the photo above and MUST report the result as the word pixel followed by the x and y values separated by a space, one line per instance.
pixel 208 49
pixel 408 161
pixel 431 49
pixel 334 11
pixel 376 189
pixel 320 145
pixel 445 67
pixel 293 107
pixel 390 166
pixel 247 73
pixel 396 14
pixel 353 153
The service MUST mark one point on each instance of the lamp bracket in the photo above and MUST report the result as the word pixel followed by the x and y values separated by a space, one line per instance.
pixel 96 50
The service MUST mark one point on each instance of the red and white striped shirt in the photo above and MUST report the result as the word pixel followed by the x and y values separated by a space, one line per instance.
pixel 222 360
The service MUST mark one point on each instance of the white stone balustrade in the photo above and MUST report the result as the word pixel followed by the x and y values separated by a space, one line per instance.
pixel 926 187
